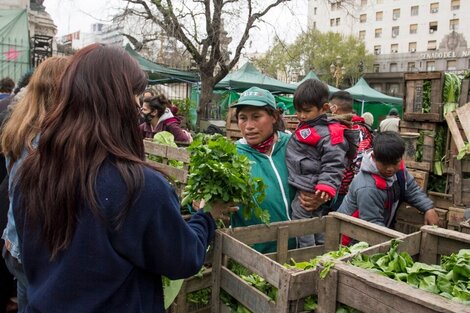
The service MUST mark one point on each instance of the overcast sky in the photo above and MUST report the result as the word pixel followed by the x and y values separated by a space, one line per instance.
pixel 74 15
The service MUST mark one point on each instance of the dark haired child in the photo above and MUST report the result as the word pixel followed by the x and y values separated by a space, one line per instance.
pixel 316 153
pixel 383 183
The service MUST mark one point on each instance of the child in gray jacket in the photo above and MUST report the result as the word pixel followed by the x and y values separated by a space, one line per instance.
pixel 383 183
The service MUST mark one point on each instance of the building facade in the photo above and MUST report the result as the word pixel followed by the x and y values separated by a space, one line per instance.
pixel 405 36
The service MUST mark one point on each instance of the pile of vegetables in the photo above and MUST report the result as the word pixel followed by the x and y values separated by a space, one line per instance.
pixel 310 303
pixel 426 105
pixel 218 173
pixel 450 279
pixel 167 139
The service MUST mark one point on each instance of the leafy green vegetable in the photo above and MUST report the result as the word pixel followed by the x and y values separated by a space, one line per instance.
pixel 218 172
pixel 171 288
pixel 427 87
pixel 167 139
pixel 450 279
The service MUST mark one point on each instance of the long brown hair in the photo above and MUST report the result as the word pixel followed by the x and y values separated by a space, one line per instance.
pixel 28 114
pixel 94 121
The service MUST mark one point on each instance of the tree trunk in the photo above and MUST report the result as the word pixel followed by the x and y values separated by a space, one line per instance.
pixel 207 86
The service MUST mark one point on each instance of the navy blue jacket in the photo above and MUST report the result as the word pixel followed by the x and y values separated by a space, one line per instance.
pixel 116 271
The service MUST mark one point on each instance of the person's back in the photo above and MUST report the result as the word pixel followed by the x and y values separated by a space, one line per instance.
pixel 391 123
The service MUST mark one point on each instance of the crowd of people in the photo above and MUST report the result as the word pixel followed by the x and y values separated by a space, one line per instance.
pixel 89 226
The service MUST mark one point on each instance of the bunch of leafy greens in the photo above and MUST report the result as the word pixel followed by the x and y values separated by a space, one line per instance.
pixel 427 87
pixel 440 141
pixel 451 279
pixel 218 173
pixel 451 92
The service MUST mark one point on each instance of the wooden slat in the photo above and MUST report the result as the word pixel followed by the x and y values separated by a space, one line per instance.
pixel 327 291
pixel 252 259
pixel 247 295
pixel 197 283
pixel 431 117
pixel 464 94
pixel 155 149
pixel 372 293
pixel 424 166
pixel 463 113
pixel 216 271
pixel 304 284
pixel 454 129
pixel 423 76
pixel 416 126
pixel 421 177
pixel 178 154
pixel 282 244
pixel 175 173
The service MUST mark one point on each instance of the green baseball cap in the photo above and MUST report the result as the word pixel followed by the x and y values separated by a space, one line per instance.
pixel 257 97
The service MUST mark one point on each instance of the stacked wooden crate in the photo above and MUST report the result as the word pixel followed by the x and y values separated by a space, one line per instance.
pixel 423 120
pixel 293 286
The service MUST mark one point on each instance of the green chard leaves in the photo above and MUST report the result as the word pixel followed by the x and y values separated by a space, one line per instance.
pixel 218 173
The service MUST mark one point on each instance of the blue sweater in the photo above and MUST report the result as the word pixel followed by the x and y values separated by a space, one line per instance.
pixel 109 271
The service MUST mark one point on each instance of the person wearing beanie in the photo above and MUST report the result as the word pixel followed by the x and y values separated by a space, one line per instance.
pixel 391 123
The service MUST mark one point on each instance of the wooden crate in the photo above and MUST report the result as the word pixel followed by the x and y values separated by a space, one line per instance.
pixel 465 227
pixel 178 176
pixel 410 220
pixel 459 126
pixel 372 293
pixel 454 218
pixel 465 92
pixel 421 178
pixel 192 284
pixel 413 100
pixel 293 286
pixel 410 132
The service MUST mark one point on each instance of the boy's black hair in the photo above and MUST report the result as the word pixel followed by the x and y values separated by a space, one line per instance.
pixel 6 85
pixel 345 100
pixel 311 92
pixel 388 147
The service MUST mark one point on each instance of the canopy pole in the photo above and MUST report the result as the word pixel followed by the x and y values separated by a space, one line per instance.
pixel 362 108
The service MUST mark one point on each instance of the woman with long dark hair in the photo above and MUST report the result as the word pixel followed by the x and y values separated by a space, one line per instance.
pixel 98 226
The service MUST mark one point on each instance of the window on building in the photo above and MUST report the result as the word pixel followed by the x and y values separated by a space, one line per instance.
pixel 376 68
pixel 413 28
pixel 411 66
pixel 314 25
pixel 395 31
pixel 332 22
pixel 432 27
pixel 454 24
pixel 377 49
pixel 379 16
pixel 392 88
pixel 362 34
pixel 412 46
pixel 363 18
pixel 314 11
pixel 430 66
pixel 333 6
pixel 378 32
pixel 434 8
pixel 455 5
pixel 393 67
pixel 414 10
pixel 396 14
pixel 451 65
pixel 363 3
pixel 380 1
pixel 432 45
pixel 337 21
pixel 394 48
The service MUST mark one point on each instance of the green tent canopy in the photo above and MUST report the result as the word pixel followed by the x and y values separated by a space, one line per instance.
pixel 248 76
pixel 313 75
pixel 159 74
pixel 14 43
pixel 367 99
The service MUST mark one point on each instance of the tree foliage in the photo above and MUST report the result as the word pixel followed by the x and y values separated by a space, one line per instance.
pixel 317 51
pixel 199 25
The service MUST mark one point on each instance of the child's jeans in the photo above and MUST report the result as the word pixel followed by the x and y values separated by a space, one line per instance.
pixel 299 213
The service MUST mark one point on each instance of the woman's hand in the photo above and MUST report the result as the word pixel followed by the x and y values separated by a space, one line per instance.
pixel 219 210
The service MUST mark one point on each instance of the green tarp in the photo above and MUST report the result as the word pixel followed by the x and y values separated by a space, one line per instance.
pixel 159 74
pixel 313 75
pixel 14 44
pixel 248 76
pixel 367 99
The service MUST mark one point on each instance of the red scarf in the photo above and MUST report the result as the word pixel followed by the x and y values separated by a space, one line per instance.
pixel 264 146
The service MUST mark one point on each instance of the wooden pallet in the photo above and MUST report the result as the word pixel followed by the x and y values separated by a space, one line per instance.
pixel 465 227
pixel 293 286
pixel 410 220
pixel 459 136
pixel 413 100
pixel 465 92
pixel 192 284
pixel 167 153
pixel 410 132
pixel 372 293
